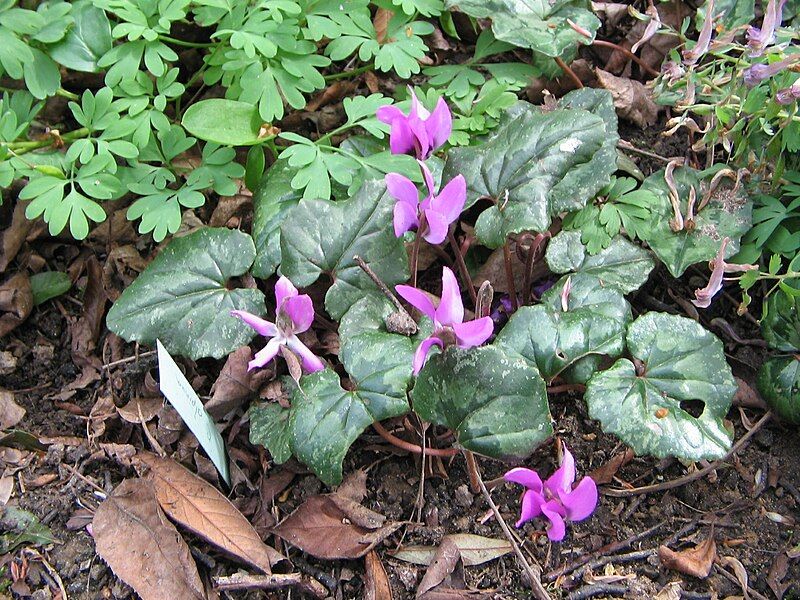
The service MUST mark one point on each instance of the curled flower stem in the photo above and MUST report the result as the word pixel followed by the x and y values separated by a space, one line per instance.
pixel 510 276
pixel 462 268
pixel 565 67
pixel 645 67
pixel 409 447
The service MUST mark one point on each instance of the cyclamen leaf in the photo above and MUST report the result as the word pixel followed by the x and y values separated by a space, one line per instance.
pixel 182 297
pixel 542 25
pixel 780 324
pixel 680 361
pixel 779 384
pixel 622 264
pixel 270 426
pixel 495 402
pixel 533 167
pixel 319 236
pixel 554 339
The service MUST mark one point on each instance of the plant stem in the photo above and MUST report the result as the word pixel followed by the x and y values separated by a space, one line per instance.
pixel 184 43
pixel 472 471
pixel 512 290
pixel 350 73
pixel 333 132
pixel 415 249
pixel 462 268
pixel 565 67
pixel 29 146
pixel 67 94
pixel 647 68
pixel 397 442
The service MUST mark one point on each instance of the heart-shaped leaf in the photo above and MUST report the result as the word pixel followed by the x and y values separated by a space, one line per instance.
pixel 554 339
pixel 542 25
pixel 271 202
pixel 319 236
pixel 224 122
pixel 780 324
pixel 535 166
pixel 727 214
pixel 779 384
pixel 646 402
pixel 495 402
pixel 270 426
pixel 623 264
pixel 182 297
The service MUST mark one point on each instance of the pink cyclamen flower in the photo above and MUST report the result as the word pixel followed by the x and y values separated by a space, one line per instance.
pixel 439 210
pixel 555 498
pixel 758 73
pixel 420 132
pixel 294 315
pixel 448 319
pixel 759 38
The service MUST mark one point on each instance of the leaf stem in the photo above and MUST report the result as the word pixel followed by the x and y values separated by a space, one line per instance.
pixel 350 73
pixel 186 44
pixel 398 443
pixel 462 268
pixel 29 146
pixel 565 67
pixel 415 249
pixel 510 276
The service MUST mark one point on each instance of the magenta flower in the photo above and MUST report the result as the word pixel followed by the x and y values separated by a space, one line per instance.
pixel 758 73
pixel 555 498
pixel 294 315
pixel 448 319
pixel 420 132
pixel 439 210
pixel 759 38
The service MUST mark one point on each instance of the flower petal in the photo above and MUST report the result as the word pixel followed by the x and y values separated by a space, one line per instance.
pixel 421 355
pixel 561 480
pixel 401 138
pixel 439 124
pixel 417 109
pixel 531 507
pixel 436 231
pixel 703 296
pixel 527 477
pixel 402 189
pixel 389 114
pixel 473 333
pixel 311 362
pixel 418 299
pixel 428 177
pixel 301 311
pixel 422 145
pixel 263 327
pixel 555 513
pixel 580 502
pixel 405 218
pixel 450 201
pixel 266 354
pixel 284 289
pixel 451 309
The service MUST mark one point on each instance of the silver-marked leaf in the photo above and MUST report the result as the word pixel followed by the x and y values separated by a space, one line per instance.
pixel 542 25
pixel 271 202
pixel 779 384
pixel 623 264
pixel 780 324
pixel 680 363
pixel 535 166
pixel 495 402
pixel 183 299
pixel 727 214
pixel 554 339
pixel 270 426
pixel 319 236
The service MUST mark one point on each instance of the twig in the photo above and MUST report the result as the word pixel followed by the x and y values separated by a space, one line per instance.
pixel 83 478
pixel 510 276
pixel 408 446
pixel 381 285
pixel 534 573
pixel 732 578
pixel 122 361
pixel 668 485
pixel 598 589
pixel 245 581
pixel 626 145
pixel 462 268
pixel 648 69
pixel 565 67
pixel 472 471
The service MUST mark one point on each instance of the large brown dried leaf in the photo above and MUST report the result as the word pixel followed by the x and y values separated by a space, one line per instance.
pixel 86 330
pixel 354 486
pixel 16 302
pixel 13 236
pixel 11 413
pixel 376 582
pixel 201 508
pixel 696 561
pixel 142 547
pixel 631 99
pixel 444 579
pixel 776 575
pixel 381 23
pixel 235 383
pixel 330 527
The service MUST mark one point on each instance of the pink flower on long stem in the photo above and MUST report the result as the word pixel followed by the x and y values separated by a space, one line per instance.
pixel 719 267
pixel 758 73
pixel 690 57
pixel 294 315
pixel 555 499
pixel 420 132
pixel 439 210
pixel 759 38
pixel 448 319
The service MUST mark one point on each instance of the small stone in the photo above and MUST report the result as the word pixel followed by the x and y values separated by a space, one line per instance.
pixel 42 594
pixel 463 496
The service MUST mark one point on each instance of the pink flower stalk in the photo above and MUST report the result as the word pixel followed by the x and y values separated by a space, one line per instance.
pixel 759 38
pixel 439 210
pixel 758 73
pixel 719 267
pixel 420 132
pixel 294 315
pixel 789 94
pixel 555 498
pixel 690 57
pixel 448 319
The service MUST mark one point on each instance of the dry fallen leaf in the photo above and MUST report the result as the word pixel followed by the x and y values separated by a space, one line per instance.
pixel 631 99
pixel 474 550
pixel 86 330
pixel 354 486
pixel 376 582
pixel 16 302
pixel 776 575
pixel 330 526
pixel 671 591
pixel 201 508
pixel 140 409
pixel 696 561
pixel 235 383
pixel 381 23
pixel 11 413
pixel 142 547
pixel 605 473
pixel 13 236
pixel 738 569
pixel 446 569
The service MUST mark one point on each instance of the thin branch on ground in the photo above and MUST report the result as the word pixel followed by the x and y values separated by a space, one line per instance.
pixel 245 581
pixel 598 589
